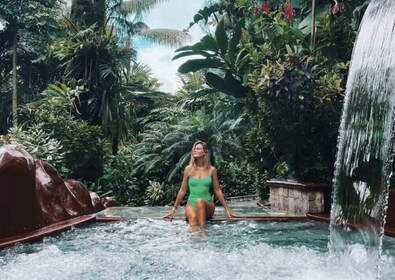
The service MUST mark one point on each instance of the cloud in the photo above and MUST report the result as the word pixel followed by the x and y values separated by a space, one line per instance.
pixel 163 68
pixel 176 14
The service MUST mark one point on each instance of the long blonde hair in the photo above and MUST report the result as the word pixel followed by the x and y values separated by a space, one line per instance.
pixel 192 163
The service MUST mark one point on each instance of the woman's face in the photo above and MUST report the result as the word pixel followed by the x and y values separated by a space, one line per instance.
pixel 198 151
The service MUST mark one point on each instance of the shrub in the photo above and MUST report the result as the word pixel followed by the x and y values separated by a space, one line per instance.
pixel 41 145
pixel 242 178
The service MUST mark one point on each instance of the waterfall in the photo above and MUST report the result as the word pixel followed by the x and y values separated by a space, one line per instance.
pixel 365 145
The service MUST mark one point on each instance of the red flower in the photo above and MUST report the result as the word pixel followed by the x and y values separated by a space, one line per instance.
pixel 255 10
pixel 289 11
pixel 265 8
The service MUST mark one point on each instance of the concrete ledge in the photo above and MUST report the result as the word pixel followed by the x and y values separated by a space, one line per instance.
pixel 45 231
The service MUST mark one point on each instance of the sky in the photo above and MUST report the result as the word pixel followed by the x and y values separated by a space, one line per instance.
pixel 174 14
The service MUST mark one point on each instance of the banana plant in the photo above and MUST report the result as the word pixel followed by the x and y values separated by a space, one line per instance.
pixel 222 60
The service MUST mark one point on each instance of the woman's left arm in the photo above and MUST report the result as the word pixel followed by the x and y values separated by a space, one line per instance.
pixel 219 193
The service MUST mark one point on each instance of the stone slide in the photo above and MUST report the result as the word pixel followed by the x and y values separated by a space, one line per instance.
pixel 33 195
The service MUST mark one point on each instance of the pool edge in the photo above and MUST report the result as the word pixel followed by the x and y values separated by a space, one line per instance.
pixel 52 229
pixel 388 231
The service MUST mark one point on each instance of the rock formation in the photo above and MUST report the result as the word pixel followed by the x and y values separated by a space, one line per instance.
pixel 33 195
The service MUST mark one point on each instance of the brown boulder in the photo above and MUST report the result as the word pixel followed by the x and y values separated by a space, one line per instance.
pixel 81 195
pixel 96 202
pixel 33 195
pixel 52 194
pixel 109 202
pixel 18 212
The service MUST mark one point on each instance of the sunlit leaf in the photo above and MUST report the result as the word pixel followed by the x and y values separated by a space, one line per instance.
pixel 198 64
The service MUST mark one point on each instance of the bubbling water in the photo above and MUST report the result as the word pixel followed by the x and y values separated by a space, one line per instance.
pixel 156 249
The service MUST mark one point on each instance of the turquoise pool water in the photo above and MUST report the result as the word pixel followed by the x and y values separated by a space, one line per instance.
pixel 157 249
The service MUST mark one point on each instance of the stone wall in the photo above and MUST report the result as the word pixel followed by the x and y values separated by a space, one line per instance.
pixel 297 198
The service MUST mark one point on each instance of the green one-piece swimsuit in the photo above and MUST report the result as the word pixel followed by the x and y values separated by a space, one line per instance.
pixel 199 188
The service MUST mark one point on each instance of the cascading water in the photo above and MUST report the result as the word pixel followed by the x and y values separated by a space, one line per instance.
pixel 365 147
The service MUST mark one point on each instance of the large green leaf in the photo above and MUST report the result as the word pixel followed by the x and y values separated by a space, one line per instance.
pixel 229 85
pixel 209 43
pixel 234 41
pixel 298 33
pixel 194 65
pixel 188 53
pixel 234 86
pixel 221 37
pixel 215 81
pixel 196 47
pixel 305 24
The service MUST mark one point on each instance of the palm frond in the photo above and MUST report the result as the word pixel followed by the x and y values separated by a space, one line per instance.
pixel 171 37
pixel 178 167
pixel 139 6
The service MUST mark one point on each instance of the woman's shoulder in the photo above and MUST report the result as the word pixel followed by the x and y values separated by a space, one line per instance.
pixel 187 168
pixel 213 170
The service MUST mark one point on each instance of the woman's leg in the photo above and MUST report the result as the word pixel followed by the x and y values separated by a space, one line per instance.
pixel 204 210
pixel 191 216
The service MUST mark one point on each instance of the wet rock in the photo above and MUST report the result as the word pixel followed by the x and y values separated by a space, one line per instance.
pixel 109 202
pixel 18 211
pixel 33 195
pixel 52 195
pixel 81 195
pixel 96 202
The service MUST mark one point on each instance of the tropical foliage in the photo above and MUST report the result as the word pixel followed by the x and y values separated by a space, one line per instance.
pixel 264 88
pixel 290 78
pixel 26 30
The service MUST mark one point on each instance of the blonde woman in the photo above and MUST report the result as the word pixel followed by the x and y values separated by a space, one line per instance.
pixel 199 176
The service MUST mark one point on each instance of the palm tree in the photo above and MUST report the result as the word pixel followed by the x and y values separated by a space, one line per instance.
pixel 92 53
pixel 127 18
pixel 29 24
pixel 167 144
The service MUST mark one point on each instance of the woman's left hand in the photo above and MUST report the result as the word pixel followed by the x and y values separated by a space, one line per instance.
pixel 231 215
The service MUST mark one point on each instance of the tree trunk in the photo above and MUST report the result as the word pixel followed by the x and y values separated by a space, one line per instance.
pixel 115 144
pixel 313 31
pixel 129 47
pixel 14 80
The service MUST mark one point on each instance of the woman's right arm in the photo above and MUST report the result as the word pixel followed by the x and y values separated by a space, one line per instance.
pixel 180 195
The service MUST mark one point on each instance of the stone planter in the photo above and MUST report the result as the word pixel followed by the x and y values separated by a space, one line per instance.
pixel 299 198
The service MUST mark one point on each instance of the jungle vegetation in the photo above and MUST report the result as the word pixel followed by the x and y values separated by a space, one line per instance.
pixel 265 93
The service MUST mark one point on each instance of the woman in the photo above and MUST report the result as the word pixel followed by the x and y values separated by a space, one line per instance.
pixel 199 177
